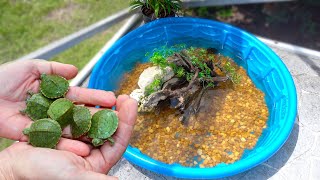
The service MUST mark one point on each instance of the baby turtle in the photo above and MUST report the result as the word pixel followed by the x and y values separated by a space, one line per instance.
pixel 104 124
pixel 81 121
pixel 53 86
pixel 37 106
pixel 44 133
pixel 61 111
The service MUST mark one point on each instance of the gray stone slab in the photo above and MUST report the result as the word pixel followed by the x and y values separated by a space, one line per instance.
pixel 309 111
pixel 315 169
pixel 299 169
pixel 316 148
pixel 127 171
pixel 298 64
pixel 307 83
pixel 261 172
pixel 299 143
pixel 298 89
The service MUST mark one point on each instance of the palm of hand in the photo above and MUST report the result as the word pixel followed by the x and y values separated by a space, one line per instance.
pixel 19 79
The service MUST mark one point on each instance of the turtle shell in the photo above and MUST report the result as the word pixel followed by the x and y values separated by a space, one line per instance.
pixel 61 111
pixel 81 122
pixel 44 133
pixel 104 124
pixel 37 107
pixel 53 86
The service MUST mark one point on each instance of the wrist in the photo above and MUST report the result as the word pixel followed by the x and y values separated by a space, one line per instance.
pixel 6 170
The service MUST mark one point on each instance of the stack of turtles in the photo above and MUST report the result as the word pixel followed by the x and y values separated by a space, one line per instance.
pixel 52 112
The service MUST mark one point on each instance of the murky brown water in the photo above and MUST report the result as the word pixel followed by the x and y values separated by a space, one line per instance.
pixel 231 119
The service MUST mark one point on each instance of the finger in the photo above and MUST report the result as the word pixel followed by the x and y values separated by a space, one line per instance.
pixel 66 133
pixel 89 175
pixel 91 96
pixel 74 146
pixel 66 70
pixel 104 158
pixel 127 116
pixel 120 100
pixel 93 110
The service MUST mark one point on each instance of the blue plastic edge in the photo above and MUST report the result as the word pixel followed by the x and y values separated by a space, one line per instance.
pixel 175 170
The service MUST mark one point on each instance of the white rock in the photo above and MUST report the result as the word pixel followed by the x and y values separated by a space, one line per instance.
pixel 149 74
pixel 137 94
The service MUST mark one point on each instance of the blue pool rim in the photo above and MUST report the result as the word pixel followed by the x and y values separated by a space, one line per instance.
pixel 177 170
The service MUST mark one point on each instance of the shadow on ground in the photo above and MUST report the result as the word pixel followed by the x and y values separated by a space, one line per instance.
pixel 312 64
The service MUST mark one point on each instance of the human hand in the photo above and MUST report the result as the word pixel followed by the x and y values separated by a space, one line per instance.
pixel 17 78
pixel 22 161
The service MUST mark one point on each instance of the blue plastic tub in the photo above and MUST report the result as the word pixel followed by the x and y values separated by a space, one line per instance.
pixel 264 67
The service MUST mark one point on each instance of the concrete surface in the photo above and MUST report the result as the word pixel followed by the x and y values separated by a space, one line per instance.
pixel 299 158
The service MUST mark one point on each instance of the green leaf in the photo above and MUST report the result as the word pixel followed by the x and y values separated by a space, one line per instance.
pixel 154 86
pixel 136 4
pixel 169 9
pixel 156 9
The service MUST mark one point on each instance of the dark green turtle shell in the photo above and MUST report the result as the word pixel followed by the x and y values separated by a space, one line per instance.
pixel 53 86
pixel 81 122
pixel 104 124
pixel 61 111
pixel 37 107
pixel 44 133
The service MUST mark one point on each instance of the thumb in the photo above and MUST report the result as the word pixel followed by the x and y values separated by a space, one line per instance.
pixel 89 175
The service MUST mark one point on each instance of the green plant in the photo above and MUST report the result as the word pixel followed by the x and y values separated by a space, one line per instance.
pixel 154 86
pixel 197 59
pixel 203 11
pixel 224 12
pixel 159 60
pixel 158 7
pixel 231 73
pixel 200 58
pixel 179 71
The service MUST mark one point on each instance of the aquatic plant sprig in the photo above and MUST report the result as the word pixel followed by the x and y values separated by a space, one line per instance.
pixel 154 86
pixel 159 60
pixel 228 69
pixel 231 73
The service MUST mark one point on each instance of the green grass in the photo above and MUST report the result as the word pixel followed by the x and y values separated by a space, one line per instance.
pixel 26 26
pixel 4 143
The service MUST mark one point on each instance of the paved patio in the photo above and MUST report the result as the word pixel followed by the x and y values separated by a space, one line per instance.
pixel 299 158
